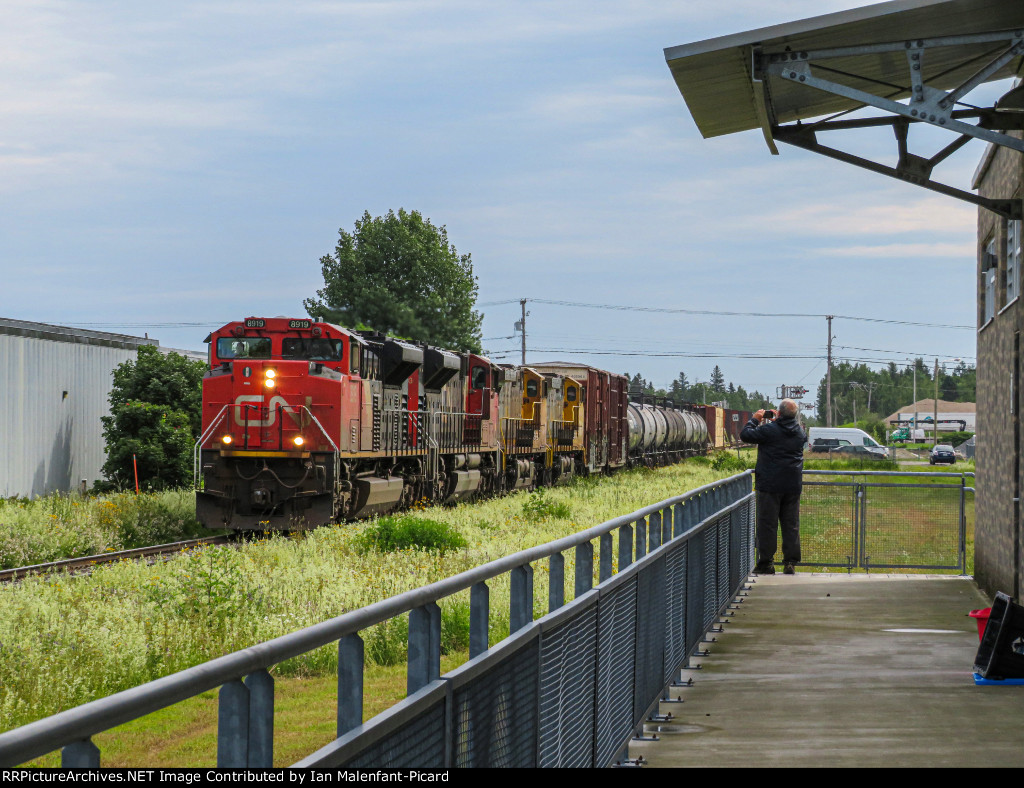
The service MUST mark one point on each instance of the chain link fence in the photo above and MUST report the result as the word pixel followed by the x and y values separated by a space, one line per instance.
pixel 886 520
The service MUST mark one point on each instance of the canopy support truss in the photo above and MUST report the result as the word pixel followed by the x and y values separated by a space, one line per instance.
pixel 926 104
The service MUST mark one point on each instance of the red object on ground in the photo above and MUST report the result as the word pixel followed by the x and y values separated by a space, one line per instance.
pixel 982 618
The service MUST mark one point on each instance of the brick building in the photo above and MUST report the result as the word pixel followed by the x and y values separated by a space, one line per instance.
pixel 998 538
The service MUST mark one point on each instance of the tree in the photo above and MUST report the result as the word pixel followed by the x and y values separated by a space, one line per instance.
pixel 717 379
pixel 155 415
pixel 398 274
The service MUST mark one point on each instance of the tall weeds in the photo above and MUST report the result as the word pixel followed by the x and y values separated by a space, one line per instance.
pixel 34 531
pixel 65 641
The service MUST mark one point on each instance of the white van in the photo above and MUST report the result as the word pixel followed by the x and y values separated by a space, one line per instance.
pixel 826 438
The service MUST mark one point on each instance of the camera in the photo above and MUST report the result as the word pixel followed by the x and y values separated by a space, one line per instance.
pixel 769 415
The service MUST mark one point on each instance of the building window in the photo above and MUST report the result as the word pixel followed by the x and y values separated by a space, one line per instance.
pixel 989 264
pixel 1013 255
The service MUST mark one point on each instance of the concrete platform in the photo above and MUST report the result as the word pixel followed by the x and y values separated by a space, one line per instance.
pixel 843 670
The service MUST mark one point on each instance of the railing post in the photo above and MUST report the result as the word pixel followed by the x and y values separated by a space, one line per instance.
pixel 654 530
pixel 350 683
pixel 80 755
pixel 962 547
pixel 694 591
pixel 479 619
pixel 424 662
pixel 677 519
pixel 606 558
pixel 584 568
pixel 521 602
pixel 556 581
pixel 625 546
pixel 261 719
pixel 641 538
pixel 233 726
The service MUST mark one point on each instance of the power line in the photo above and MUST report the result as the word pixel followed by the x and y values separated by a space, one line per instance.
pixel 723 313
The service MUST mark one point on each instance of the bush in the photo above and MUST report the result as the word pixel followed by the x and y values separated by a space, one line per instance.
pixel 727 461
pixel 538 507
pixel 394 533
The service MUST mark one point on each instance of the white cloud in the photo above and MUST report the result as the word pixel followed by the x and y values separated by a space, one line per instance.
pixel 909 251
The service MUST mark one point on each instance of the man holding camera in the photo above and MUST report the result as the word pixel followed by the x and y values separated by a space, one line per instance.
pixel 778 478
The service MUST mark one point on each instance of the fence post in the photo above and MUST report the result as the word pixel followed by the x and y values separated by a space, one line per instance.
pixel 962 551
pixel 625 546
pixel 424 661
pixel 233 726
pixel 584 568
pixel 654 530
pixel 556 581
pixel 521 602
pixel 261 719
pixel 80 755
pixel 694 592
pixel 479 619
pixel 350 683
pixel 677 520
pixel 641 538
pixel 606 558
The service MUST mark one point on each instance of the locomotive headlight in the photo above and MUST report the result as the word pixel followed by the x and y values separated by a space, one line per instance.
pixel 270 373
pixel 269 383
pixel 226 439
pixel 298 440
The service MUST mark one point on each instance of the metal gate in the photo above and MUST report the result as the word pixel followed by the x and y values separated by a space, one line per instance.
pixel 885 520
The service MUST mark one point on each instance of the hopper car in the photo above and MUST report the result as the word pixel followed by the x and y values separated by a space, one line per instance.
pixel 305 423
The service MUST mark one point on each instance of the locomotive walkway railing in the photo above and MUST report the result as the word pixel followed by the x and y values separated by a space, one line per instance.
pixel 568 689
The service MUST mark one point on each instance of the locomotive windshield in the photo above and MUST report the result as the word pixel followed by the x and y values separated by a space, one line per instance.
pixel 243 347
pixel 316 349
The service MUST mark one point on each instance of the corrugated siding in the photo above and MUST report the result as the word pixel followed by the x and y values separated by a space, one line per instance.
pixel 50 442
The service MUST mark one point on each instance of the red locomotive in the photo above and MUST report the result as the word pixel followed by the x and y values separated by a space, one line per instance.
pixel 306 423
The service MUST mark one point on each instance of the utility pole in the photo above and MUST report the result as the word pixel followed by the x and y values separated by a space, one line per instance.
pixel 522 303
pixel 935 412
pixel 915 403
pixel 828 376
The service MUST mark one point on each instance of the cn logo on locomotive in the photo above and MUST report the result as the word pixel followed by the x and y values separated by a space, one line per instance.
pixel 242 412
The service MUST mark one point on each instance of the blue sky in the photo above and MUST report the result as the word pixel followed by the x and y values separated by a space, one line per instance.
pixel 166 168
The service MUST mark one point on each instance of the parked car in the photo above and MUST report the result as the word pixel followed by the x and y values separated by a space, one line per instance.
pixel 942 453
pixel 861 452
pixel 827 444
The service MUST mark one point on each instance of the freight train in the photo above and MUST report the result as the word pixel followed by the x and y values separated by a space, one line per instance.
pixel 306 423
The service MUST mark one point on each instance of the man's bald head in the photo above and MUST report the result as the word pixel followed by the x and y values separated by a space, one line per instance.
pixel 788 408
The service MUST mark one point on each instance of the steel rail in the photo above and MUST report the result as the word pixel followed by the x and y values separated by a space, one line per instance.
pixel 90 561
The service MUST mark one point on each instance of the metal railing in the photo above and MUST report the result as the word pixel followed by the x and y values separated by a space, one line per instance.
pixel 885 519
pixel 568 689
pixel 197 448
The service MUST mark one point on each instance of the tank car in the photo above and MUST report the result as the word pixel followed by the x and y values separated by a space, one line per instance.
pixel 660 432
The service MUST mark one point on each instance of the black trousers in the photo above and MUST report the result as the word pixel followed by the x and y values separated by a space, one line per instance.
pixel 775 510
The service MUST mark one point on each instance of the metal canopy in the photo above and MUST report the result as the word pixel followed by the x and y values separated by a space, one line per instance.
pixel 913 60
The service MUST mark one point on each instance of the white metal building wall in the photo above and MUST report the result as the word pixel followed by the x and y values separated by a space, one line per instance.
pixel 54 384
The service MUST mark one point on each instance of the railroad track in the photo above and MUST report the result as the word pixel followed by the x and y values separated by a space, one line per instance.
pixel 86 564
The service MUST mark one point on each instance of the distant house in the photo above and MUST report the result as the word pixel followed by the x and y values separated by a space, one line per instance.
pixel 952 416
pixel 54 385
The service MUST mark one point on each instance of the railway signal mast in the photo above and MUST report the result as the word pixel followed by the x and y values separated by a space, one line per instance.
pixel 790 392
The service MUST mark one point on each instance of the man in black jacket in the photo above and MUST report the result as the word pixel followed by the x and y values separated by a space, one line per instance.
pixel 778 480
